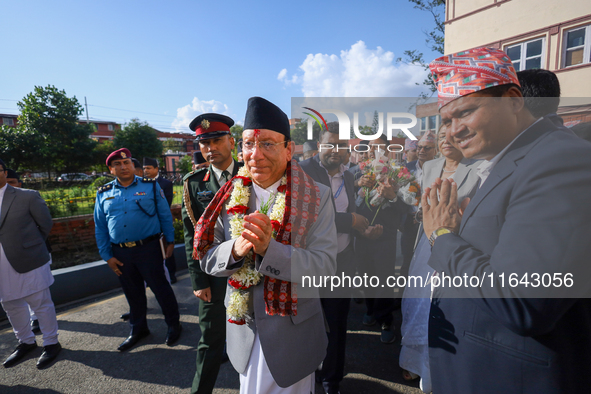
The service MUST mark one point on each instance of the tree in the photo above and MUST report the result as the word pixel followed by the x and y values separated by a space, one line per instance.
pixel 185 164
pixel 100 154
pixel 236 132
pixel 299 134
pixel 376 122
pixel 49 130
pixel 20 149
pixel 141 140
pixel 435 40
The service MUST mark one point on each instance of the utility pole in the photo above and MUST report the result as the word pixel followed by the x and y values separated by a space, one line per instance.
pixel 86 104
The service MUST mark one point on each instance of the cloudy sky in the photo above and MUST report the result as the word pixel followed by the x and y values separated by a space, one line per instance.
pixel 167 62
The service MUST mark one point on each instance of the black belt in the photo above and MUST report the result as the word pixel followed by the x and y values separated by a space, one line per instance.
pixel 138 243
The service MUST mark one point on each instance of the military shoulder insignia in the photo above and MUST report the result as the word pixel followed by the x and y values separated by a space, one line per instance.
pixel 106 187
pixel 195 172
pixel 146 179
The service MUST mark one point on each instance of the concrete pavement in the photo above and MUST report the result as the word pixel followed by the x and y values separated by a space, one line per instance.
pixel 91 330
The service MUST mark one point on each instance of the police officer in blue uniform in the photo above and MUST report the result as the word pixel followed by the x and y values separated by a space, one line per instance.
pixel 130 215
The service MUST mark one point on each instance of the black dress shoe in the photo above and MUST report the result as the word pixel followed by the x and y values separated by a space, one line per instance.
pixel 21 351
pixel 174 333
pixel 49 354
pixel 132 340
pixel 125 316
pixel 35 327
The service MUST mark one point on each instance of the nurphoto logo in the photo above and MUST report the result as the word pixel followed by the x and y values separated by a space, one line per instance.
pixel 345 128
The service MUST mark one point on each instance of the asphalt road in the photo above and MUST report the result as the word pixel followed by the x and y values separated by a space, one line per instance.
pixel 91 330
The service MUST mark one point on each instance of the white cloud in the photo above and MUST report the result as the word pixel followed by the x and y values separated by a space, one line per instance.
pixel 282 74
pixel 186 114
pixel 357 72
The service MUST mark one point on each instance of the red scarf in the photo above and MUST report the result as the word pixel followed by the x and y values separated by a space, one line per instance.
pixel 302 205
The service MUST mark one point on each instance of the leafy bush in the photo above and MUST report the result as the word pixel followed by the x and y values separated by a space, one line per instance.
pixel 179 236
pixel 98 182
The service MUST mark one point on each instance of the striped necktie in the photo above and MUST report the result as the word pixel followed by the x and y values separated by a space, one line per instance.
pixel 224 178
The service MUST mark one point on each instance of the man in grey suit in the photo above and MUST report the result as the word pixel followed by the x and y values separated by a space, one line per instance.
pixel 281 340
pixel 529 220
pixel 25 275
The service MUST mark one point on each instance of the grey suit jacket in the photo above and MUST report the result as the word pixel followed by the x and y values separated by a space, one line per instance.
pixel 25 223
pixel 465 177
pixel 294 346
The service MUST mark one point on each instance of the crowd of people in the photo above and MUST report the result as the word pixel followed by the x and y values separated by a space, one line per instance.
pixel 501 188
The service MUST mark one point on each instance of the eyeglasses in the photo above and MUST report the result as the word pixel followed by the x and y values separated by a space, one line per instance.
pixel 265 146
pixel 425 148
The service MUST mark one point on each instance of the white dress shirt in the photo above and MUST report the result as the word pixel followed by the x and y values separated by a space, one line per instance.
pixel 341 202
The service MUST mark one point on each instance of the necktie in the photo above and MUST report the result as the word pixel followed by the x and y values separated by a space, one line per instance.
pixel 224 178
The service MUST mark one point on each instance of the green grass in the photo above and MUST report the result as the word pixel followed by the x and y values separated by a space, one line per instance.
pixel 73 201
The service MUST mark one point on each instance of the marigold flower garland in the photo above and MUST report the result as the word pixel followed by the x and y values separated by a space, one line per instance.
pixel 247 276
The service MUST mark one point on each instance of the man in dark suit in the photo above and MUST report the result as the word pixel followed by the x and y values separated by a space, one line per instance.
pixel 151 171
pixel 328 168
pixel 530 218
pixel 199 187
pixel 25 275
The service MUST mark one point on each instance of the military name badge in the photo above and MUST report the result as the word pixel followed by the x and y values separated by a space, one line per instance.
pixel 205 195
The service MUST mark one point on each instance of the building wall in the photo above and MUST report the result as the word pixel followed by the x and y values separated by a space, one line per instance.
pixel 503 23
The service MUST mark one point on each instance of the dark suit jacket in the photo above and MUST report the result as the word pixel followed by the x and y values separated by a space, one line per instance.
pixel 412 166
pixel 199 189
pixel 166 186
pixel 531 216
pixel 343 220
pixel 25 223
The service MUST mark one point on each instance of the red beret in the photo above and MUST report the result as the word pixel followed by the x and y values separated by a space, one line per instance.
pixel 119 154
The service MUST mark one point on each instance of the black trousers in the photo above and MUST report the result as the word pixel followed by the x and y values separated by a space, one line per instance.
pixel 210 351
pixel 170 264
pixel 144 264
pixel 378 258
pixel 336 312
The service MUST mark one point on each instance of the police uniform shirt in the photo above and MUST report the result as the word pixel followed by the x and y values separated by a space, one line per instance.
pixel 126 214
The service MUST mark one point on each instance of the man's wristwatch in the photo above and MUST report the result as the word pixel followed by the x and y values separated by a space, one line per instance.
pixel 437 233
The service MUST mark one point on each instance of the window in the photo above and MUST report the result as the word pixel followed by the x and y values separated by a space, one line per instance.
pixel 423 123
pixel 8 121
pixel 527 55
pixel 577 46
pixel 110 127
pixel 430 122
pixel 433 122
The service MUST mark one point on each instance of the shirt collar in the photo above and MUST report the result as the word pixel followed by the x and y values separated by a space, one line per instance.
pixel 218 172
pixel 484 169
pixel 342 169
pixel 135 179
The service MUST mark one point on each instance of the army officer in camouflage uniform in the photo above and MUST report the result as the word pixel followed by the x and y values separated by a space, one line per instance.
pixel 216 144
